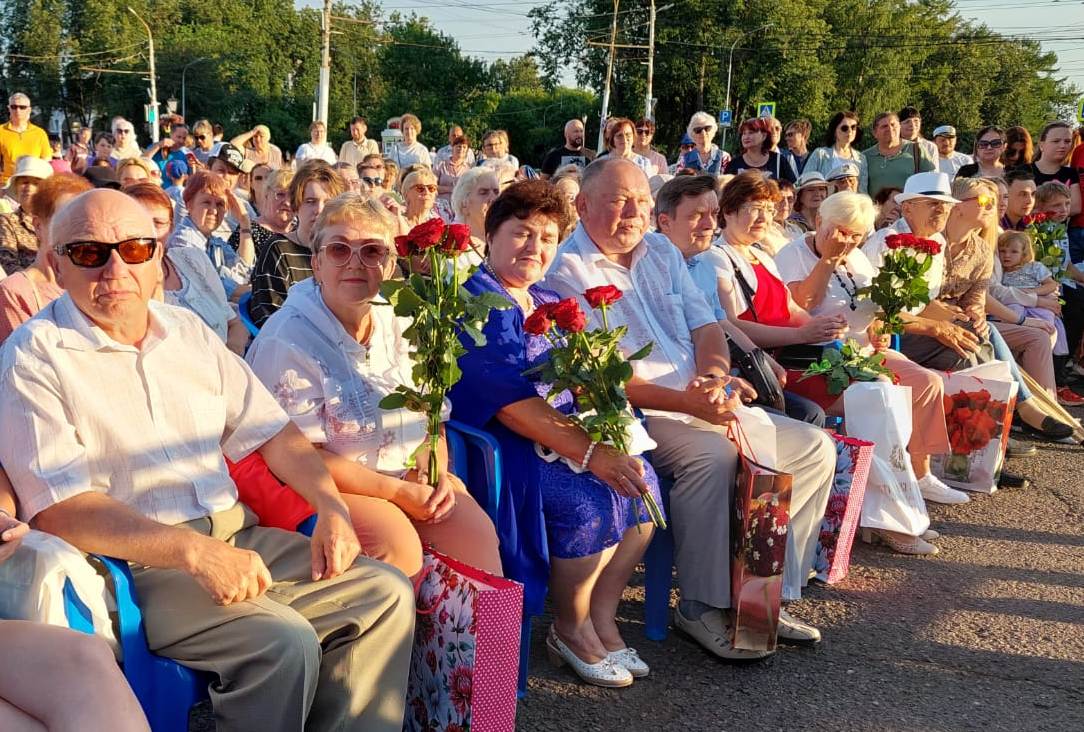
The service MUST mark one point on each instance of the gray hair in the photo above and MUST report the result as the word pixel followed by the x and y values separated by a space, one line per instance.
pixel 852 211
pixel 700 119
pixel 466 184
pixel 17 97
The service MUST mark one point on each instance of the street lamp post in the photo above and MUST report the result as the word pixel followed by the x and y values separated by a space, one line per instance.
pixel 184 98
pixel 730 72
pixel 154 84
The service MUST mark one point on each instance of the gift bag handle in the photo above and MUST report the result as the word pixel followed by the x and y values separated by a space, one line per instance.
pixel 443 595
pixel 736 433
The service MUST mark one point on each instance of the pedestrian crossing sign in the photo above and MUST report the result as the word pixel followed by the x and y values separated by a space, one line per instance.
pixel 765 109
pixel 1080 111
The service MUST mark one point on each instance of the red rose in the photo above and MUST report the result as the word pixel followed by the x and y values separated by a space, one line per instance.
pixel 539 322
pixel 604 295
pixel 568 315
pixel 422 237
pixel 456 238
pixel 899 241
pixel 402 246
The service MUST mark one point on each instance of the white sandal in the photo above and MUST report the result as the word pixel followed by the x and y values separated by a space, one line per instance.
pixel 604 673
pixel 630 659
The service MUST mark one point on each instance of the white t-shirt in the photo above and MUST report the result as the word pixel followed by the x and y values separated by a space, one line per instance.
pixel 309 151
pixel 406 155
pixel 796 261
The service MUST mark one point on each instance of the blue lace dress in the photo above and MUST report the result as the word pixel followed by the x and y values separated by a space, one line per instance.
pixel 546 509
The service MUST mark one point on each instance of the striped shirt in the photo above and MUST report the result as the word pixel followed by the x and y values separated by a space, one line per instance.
pixel 279 265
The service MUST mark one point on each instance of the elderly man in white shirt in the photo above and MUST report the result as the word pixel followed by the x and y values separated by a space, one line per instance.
pixel 682 387
pixel 119 410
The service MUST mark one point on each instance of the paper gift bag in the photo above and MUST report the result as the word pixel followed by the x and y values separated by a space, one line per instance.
pixel 465 665
pixel 841 519
pixel 880 413
pixel 979 403
pixel 759 535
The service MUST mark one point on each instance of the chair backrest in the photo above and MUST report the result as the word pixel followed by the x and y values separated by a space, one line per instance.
pixel 242 309
pixel 466 442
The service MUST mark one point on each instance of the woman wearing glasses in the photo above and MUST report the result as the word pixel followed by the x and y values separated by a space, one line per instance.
pixel 705 157
pixel 203 138
pixel 989 144
pixel 448 171
pixel 620 136
pixel 329 356
pixel 840 148
pixel 645 133
pixel 419 189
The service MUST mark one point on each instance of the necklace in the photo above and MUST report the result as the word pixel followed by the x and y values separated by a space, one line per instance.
pixel 852 292
pixel 527 309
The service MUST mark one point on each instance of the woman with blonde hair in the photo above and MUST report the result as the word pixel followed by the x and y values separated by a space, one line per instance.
pixel 419 189
pixel 133 170
pixel 203 138
pixel 495 145
pixel 410 151
pixel 705 156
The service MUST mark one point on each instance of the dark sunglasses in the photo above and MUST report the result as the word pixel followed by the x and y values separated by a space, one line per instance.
pixel 848 128
pixel 989 144
pixel 373 181
pixel 643 130
pixel 91 254
pixel 201 138
pixel 372 256
pixel 18 106
pixel 698 130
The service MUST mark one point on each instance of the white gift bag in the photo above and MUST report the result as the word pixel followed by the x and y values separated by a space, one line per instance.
pixel 880 412
pixel 979 403
pixel 32 585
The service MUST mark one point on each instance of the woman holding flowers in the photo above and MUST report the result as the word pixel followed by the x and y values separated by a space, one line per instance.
pixel 582 528
pixel 329 355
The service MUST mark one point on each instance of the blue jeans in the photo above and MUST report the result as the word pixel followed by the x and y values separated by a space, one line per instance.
pixel 1002 352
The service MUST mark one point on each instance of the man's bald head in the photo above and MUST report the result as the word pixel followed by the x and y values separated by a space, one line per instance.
pixel 574 134
pixel 101 215
pixel 605 172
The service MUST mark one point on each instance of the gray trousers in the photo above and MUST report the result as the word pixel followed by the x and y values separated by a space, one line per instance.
pixel 703 464
pixel 327 655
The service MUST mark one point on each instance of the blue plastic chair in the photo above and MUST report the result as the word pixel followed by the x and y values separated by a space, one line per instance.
pixel 242 310
pixel 659 574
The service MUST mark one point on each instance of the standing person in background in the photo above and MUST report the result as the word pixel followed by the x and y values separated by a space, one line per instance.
pixel 60 165
pixel 410 151
pixel 169 148
pixel 573 153
pixel 203 138
pixel 705 156
pixel 645 132
pixel 256 144
pixel 19 137
pixel 125 144
pixel 354 150
pixel 317 147
pixel 949 161
pixel 989 145
pixel 79 149
pixel 445 153
pixel 1055 144
pixel 796 135
pixel 619 139
pixel 495 149
pixel 893 160
pixel 839 147
pixel 757 154
pixel 1019 149
pixel 911 130
pixel 448 171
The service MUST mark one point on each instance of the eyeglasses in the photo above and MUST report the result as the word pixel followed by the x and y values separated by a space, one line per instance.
pixel 643 131
pixel 989 144
pixel 847 128
pixel 422 188
pixel 766 210
pixel 92 254
pixel 340 253
pixel 18 106
pixel 201 138
pixel 706 128
pixel 123 131
pixel 373 181
pixel 983 200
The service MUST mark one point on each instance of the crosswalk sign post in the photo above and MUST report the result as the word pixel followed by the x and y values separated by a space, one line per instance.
pixel 765 109
pixel 726 118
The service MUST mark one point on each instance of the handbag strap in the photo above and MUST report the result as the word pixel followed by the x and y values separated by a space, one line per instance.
pixel 746 289
pixel 736 433
pixel 915 155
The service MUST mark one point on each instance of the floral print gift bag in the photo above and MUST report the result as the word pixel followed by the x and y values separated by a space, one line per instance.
pixel 853 460
pixel 465 665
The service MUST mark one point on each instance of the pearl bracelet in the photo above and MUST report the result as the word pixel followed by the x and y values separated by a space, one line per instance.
pixel 587 456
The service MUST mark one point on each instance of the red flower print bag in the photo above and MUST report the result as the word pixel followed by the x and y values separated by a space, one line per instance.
pixel 840 523
pixel 465 665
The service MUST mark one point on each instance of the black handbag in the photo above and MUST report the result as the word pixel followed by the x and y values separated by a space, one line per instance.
pixel 753 367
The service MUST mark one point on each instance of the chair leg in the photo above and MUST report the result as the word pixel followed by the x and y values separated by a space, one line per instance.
pixel 658 578
pixel 524 655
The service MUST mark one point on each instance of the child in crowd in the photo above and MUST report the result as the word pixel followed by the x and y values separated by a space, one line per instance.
pixel 1017 256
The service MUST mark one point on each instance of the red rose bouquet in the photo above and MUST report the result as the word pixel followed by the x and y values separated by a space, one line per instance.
pixel 1049 241
pixel 440 309
pixel 901 284
pixel 591 366
pixel 973 419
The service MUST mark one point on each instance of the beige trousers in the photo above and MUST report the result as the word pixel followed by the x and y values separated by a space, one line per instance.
pixel 328 655
pixel 703 465
pixel 1033 350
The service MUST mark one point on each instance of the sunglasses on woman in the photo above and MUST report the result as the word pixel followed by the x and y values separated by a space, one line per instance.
pixel 340 253
pixel 699 130
pixel 983 200
pixel 848 128
pixel 373 181
pixel 422 188
pixel 989 144
pixel 92 254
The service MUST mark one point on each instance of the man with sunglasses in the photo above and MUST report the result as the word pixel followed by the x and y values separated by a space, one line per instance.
pixel 19 137
pixel 125 409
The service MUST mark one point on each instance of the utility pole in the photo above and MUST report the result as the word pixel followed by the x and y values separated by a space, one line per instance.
pixel 650 62
pixel 729 74
pixel 609 73
pixel 154 84
pixel 325 64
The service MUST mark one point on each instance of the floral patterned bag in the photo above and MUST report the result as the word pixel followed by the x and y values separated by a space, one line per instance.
pixel 979 403
pixel 758 531
pixel 465 665
pixel 840 523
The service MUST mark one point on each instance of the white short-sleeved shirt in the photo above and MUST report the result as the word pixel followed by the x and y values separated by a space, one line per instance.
pixel 331 386
pixel 147 426
pixel 796 261
pixel 201 290
pixel 661 303
pixel 724 257
pixel 232 270
pixel 405 155
pixel 876 246
pixel 308 151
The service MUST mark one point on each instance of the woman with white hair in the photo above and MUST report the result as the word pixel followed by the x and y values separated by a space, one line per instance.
pixel 824 270
pixel 705 155
pixel 473 192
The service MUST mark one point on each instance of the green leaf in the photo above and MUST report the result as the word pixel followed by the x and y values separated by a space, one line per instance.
pixel 395 400
pixel 641 353
pixel 406 302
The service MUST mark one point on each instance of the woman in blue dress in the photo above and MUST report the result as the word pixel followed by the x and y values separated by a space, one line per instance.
pixel 581 531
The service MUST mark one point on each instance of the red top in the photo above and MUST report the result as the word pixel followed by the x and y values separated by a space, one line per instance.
pixel 770 299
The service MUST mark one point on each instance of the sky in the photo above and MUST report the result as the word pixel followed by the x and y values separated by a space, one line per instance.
pixel 492 29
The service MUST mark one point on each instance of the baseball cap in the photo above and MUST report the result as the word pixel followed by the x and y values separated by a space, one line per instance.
pixel 945 131
pixel 847 170
pixel 230 155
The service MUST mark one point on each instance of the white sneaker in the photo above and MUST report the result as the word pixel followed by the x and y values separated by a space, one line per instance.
pixel 934 490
